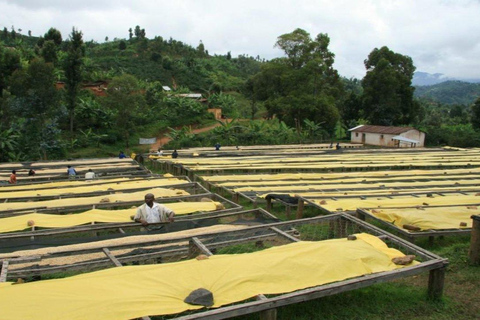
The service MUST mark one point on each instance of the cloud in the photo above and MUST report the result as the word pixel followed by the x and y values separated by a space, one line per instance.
pixel 441 36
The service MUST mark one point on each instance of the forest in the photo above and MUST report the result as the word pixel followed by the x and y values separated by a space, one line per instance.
pixel 48 112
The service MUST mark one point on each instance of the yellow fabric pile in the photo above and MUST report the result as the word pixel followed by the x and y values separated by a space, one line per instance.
pixel 428 218
pixel 136 291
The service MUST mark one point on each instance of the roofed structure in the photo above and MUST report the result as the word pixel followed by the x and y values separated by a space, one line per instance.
pixel 388 136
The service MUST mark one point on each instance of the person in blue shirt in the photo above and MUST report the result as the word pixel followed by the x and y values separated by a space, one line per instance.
pixel 121 155
pixel 71 172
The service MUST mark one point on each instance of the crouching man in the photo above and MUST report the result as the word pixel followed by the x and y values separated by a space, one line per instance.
pixel 153 212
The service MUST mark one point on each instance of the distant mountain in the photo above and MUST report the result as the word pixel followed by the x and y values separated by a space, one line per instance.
pixel 450 92
pixel 429 79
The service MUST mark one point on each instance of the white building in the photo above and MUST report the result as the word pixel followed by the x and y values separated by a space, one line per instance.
pixel 400 137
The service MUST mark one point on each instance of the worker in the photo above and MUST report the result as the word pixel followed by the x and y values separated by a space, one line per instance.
pixel 153 212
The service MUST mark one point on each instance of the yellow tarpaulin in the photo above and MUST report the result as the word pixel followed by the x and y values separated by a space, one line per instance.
pixel 136 291
pixel 398 201
pixel 115 186
pixel 96 215
pixel 116 197
pixel 339 175
pixel 428 218
pixel 56 184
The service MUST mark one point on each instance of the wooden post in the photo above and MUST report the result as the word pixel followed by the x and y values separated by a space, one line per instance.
pixel 32 238
pixel 269 204
pixel 236 197
pixel 301 204
pixel 270 314
pixel 436 281
pixel 474 252
pixel 3 273
pixel 360 215
pixel 288 211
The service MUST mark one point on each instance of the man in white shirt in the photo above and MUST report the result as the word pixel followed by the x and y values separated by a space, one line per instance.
pixel 153 212
pixel 89 175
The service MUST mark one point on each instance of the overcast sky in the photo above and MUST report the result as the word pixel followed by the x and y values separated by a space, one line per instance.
pixel 441 36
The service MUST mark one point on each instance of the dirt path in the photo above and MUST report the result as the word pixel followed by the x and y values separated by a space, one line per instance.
pixel 161 141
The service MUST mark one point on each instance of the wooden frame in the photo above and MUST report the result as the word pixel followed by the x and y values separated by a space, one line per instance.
pixel 362 214
pixel 192 187
pixel 176 247
pixel 229 208
pixel 205 243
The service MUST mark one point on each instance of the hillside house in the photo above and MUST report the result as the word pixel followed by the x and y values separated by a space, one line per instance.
pixel 399 137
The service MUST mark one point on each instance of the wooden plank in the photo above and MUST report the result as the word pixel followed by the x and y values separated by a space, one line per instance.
pixel 195 246
pixel 284 234
pixel 112 257
pixel 3 273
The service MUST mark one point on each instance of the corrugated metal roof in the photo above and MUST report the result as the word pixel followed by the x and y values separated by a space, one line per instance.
pixel 381 129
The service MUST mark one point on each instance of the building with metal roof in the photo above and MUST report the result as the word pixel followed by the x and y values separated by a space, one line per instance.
pixel 386 136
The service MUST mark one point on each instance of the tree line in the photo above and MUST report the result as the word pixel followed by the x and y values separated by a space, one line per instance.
pixel 302 92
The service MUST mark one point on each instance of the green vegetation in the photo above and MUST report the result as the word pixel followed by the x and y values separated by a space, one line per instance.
pixel 450 92
pixel 110 94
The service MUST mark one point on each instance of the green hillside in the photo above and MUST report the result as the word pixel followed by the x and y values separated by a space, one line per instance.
pixel 65 96
pixel 450 92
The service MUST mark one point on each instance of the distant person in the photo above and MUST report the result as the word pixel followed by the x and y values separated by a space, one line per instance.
pixel 338 146
pixel 121 155
pixel 159 152
pixel 72 173
pixel 31 172
pixel 175 154
pixel 90 175
pixel 217 146
pixel 331 145
pixel 13 177
pixel 153 212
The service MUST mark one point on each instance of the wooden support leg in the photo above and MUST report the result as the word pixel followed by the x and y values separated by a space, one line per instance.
pixel 288 211
pixel 269 204
pixel 3 273
pixel 301 205
pixel 360 215
pixel 270 314
pixel 436 282
pixel 236 197
pixel 474 252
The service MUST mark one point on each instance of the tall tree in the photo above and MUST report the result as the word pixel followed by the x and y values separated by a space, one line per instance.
pixel 36 102
pixel 304 84
pixel 54 35
pixel 9 62
pixel 73 71
pixel 138 31
pixel 126 101
pixel 388 92
pixel 49 51
pixel 475 120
